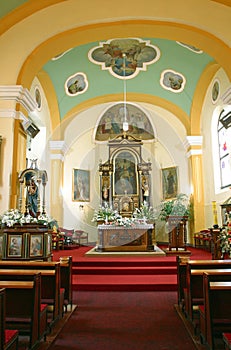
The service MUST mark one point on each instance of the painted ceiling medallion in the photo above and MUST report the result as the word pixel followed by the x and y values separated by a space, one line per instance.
pixel 38 98
pixel 76 84
pixel 215 91
pixel 138 54
pixel 173 81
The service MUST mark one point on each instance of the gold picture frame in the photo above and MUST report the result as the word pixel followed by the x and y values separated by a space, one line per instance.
pixel 81 185
pixel 36 245
pixel 15 246
pixel 170 182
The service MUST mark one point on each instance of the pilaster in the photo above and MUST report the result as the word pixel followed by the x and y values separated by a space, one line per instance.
pixel 193 145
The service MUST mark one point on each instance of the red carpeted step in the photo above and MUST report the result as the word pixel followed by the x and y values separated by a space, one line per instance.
pixel 126 262
pixel 125 282
pixel 126 270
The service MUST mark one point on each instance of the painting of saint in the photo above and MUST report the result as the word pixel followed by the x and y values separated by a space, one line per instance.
pixel 125 174
pixel 81 185
pixel 170 183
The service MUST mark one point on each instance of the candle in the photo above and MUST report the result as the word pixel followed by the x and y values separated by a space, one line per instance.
pixel 214 204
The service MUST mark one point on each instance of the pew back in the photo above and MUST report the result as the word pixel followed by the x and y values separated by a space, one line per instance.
pixel 50 286
pixel 22 306
pixel 194 280
pixel 217 304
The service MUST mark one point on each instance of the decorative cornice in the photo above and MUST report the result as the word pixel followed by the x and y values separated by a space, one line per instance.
pixel 59 146
pixel 193 141
pixel 18 94
pixel 12 113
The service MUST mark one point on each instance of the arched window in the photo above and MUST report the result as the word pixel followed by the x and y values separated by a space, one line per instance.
pixel 224 139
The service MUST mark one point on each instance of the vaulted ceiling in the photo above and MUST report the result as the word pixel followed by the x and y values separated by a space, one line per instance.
pixel 192 41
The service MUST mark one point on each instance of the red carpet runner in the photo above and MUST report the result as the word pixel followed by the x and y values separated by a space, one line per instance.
pixel 124 273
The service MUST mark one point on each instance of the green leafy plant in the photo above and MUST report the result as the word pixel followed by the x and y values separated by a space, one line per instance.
pixel 179 206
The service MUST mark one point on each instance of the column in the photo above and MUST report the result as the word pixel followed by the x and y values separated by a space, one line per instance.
pixel 58 149
pixel 194 153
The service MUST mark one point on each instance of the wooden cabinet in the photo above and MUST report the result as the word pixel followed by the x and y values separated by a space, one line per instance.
pixel 26 242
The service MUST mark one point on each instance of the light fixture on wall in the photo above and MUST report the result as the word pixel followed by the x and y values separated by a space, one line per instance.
pixel 125 121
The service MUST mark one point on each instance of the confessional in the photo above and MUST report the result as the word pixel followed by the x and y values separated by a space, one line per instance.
pixel 125 178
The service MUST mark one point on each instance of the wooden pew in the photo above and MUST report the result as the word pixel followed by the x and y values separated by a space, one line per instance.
pixel 181 279
pixel 22 307
pixel 28 275
pixel 217 309
pixel 8 338
pixel 210 276
pixel 66 279
pixel 193 293
pixel 51 292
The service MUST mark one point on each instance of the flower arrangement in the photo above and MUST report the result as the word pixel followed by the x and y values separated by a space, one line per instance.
pixel 12 217
pixel 225 241
pixel 145 213
pixel 105 214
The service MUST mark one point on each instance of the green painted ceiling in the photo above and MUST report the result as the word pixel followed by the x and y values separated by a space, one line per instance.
pixel 6 6
pixel 100 82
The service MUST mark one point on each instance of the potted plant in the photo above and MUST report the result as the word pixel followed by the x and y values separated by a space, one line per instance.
pixel 179 206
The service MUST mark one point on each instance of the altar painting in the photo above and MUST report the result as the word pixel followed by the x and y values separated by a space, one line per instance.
pixel 125 175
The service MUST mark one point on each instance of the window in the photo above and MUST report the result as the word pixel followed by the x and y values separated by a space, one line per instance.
pixel 224 136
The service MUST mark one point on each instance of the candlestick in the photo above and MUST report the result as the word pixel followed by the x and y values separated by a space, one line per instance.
pixel 214 205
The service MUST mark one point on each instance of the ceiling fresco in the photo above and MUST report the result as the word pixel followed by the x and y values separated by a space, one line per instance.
pixel 161 67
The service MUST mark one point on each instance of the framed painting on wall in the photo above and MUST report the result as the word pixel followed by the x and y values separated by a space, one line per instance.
pixel 81 185
pixel 169 183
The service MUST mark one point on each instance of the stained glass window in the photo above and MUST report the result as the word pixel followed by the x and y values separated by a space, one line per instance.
pixel 224 136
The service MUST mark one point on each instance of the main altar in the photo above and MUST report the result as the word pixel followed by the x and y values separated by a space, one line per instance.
pixel 112 238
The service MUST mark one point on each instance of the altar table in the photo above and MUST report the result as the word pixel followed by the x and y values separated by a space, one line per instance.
pixel 112 238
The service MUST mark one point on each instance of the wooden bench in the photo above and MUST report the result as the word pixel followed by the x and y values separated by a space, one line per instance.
pixel 215 276
pixel 22 307
pixel 181 279
pixel 217 309
pixel 51 291
pixel 66 279
pixel 28 275
pixel 193 293
pixel 8 337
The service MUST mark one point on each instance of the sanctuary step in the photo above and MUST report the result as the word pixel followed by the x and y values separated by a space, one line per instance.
pixel 125 275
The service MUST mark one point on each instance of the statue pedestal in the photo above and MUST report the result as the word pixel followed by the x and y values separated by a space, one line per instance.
pixel 26 242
